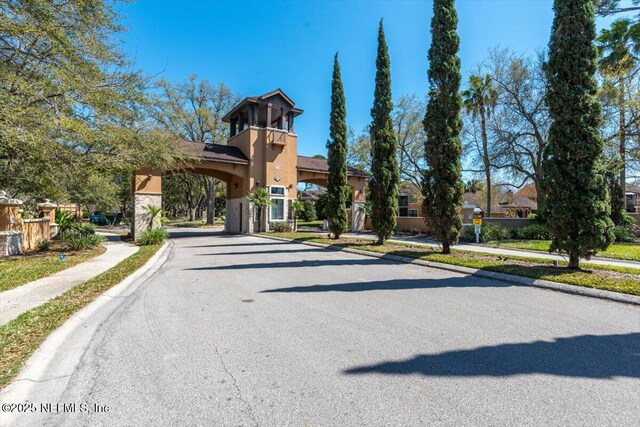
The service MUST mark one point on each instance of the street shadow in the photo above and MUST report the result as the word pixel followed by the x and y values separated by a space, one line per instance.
pixel 299 264
pixel 396 285
pixel 587 356
pixel 233 245
pixel 267 252
pixel 180 234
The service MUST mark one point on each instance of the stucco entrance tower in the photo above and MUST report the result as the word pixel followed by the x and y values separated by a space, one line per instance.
pixel 263 129
pixel 262 152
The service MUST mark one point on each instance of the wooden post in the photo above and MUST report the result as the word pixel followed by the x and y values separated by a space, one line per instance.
pixel 290 121
pixel 233 124
pixel 269 105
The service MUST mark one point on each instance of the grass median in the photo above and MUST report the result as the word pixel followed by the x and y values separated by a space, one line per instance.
pixel 610 278
pixel 624 251
pixel 22 336
pixel 17 270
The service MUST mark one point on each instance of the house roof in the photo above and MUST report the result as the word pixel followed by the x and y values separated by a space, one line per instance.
pixel 505 202
pixel 217 152
pixel 321 165
pixel 528 191
pixel 633 189
pixel 311 194
pixel 518 202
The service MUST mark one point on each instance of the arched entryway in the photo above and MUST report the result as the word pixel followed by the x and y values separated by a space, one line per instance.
pixel 261 153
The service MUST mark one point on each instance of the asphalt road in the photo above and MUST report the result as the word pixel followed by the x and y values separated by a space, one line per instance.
pixel 249 331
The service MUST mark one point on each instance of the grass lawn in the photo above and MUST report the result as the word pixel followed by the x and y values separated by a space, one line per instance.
pixel 627 251
pixel 610 278
pixel 23 335
pixel 310 224
pixel 18 270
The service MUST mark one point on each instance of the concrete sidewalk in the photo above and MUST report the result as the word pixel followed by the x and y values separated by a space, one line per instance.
pixel 414 240
pixel 23 298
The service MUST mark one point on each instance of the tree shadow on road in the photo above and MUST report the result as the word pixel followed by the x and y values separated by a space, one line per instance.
pixel 299 264
pixel 233 245
pixel 588 356
pixel 267 252
pixel 396 285
pixel 180 234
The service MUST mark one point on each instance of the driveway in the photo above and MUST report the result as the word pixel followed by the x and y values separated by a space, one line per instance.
pixel 248 331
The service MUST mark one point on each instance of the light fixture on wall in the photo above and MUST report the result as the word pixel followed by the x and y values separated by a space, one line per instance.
pixel 149 176
pixel 290 186
pixel 235 185
pixel 257 183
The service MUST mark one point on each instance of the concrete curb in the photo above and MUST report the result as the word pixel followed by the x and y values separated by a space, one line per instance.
pixel 52 365
pixel 509 278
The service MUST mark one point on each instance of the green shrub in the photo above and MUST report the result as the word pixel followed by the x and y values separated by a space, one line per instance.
pixel 85 228
pixel 309 212
pixel 66 221
pixel 78 241
pixel 43 245
pixel 624 234
pixel 488 233
pixel 530 232
pixel 153 236
pixel 281 227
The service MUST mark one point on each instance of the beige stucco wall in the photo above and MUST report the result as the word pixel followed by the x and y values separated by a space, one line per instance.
pixel 147 181
pixel 10 218
pixel 272 153
pixel 34 231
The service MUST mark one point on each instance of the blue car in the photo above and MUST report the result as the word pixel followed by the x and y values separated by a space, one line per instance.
pixel 98 218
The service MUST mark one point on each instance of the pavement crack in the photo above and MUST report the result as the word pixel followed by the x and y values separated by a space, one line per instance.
pixel 235 385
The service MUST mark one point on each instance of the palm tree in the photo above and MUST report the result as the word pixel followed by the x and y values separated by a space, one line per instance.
pixel 260 199
pixel 297 206
pixel 480 99
pixel 65 221
pixel 153 212
pixel 619 50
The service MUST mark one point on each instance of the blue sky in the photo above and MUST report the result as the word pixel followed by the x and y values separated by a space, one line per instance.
pixel 257 46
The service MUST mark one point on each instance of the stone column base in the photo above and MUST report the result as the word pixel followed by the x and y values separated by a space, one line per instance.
pixel 10 243
pixel 238 217
pixel 357 216
pixel 140 220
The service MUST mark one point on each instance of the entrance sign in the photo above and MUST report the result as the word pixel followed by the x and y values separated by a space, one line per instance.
pixel 477 222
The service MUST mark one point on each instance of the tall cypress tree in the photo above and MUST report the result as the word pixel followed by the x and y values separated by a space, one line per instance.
pixel 383 184
pixel 577 211
pixel 443 187
pixel 337 147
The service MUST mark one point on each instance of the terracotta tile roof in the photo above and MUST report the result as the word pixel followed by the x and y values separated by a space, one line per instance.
pixel 321 165
pixel 520 202
pixel 312 194
pixel 528 191
pixel 217 152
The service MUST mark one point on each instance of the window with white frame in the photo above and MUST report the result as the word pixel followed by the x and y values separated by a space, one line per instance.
pixel 412 212
pixel 277 209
